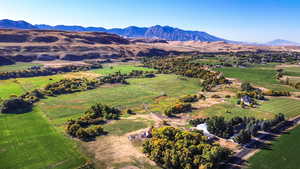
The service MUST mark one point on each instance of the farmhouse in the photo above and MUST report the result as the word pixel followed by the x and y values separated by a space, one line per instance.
pixel 247 100
pixel 203 127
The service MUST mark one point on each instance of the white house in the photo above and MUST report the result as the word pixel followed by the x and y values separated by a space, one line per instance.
pixel 203 127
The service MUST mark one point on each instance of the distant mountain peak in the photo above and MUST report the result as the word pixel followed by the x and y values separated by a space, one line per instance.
pixel 10 24
pixel 282 42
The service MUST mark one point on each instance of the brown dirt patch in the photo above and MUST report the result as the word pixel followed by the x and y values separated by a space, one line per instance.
pixel 115 149
pixel 229 144
pixel 88 75
pixel 60 63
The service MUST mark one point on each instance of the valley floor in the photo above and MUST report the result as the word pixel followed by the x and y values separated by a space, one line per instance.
pixel 37 139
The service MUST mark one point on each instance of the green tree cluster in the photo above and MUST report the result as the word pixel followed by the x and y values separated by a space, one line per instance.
pixel 88 126
pixel 174 148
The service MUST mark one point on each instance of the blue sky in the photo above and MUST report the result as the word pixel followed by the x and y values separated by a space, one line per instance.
pixel 243 20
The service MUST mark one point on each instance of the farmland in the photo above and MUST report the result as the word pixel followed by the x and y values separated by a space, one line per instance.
pixel 283 153
pixel 266 109
pixel 144 96
pixel 18 66
pixel 29 141
pixel 138 93
pixel 258 76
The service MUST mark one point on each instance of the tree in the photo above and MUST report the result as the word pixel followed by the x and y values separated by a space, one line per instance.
pixel 173 148
pixel 15 105
pixel 243 137
pixel 247 87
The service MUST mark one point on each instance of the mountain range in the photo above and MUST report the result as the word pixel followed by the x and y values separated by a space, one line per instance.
pixel 153 32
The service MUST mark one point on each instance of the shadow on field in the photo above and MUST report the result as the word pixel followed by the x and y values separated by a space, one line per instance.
pixel 234 163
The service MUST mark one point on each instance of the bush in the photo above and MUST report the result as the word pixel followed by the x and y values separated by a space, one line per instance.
pixel 189 98
pixel 277 93
pixel 87 126
pixel 104 111
pixel 215 96
pixel 15 105
pixel 129 111
pixel 178 108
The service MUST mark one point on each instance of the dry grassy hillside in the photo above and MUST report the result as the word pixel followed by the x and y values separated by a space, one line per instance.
pixel 46 45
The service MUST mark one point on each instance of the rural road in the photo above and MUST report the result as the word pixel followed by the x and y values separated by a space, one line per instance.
pixel 249 149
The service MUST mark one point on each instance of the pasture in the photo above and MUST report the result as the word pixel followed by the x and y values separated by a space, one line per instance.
pixel 142 95
pixel 258 76
pixel 21 85
pixel 28 141
pixel 18 66
pixel 266 109
pixel 124 68
pixel 284 153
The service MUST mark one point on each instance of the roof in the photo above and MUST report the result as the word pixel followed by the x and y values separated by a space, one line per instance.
pixel 246 98
pixel 202 127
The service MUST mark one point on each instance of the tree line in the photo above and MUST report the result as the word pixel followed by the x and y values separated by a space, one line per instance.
pixel 173 148
pixel 183 66
pixel 242 128
pixel 47 71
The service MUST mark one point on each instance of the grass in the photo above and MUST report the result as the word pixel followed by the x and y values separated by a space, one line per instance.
pixel 209 61
pixel 258 76
pixel 292 71
pixel 18 66
pixel 139 92
pixel 122 68
pixel 21 85
pixel 266 110
pixel 284 153
pixel 28 141
pixel 121 127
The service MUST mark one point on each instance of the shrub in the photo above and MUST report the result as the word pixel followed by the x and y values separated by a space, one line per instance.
pixel 189 98
pixel 104 111
pixel 15 105
pixel 178 108
pixel 129 111
pixel 87 126
pixel 215 96
pixel 277 93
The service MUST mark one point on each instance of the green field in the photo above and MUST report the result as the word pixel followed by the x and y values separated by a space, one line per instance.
pixel 284 153
pixel 258 76
pixel 292 71
pixel 21 85
pixel 139 92
pixel 266 109
pixel 36 140
pixel 18 66
pixel 125 68
pixel 28 141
